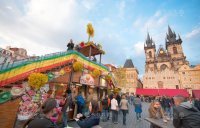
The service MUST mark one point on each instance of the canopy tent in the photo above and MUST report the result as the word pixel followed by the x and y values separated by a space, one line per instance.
pixel 196 93
pixel 147 92
pixel 162 92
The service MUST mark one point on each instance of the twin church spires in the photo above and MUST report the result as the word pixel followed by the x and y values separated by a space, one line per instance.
pixel 172 56
pixel 170 39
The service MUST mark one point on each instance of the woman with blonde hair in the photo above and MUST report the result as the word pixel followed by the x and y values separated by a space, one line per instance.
pixel 155 111
pixel 124 108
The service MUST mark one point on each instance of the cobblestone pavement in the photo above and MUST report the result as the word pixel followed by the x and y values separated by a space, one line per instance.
pixel 131 121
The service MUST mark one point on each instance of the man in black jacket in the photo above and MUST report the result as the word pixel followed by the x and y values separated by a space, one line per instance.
pixel 197 103
pixel 43 120
pixel 185 115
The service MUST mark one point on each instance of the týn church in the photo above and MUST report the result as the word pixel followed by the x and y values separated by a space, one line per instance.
pixel 168 68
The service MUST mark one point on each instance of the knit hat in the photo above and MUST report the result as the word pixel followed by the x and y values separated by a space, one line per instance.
pixel 49 105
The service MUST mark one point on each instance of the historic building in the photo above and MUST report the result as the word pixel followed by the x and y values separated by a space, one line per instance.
pixel 162 65
pixel 11 54
pixel 127 77
pixel 190 77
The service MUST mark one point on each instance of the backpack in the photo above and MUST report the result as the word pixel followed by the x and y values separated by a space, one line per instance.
pixel 80 100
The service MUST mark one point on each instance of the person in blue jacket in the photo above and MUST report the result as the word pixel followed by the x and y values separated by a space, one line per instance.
pixel 92 119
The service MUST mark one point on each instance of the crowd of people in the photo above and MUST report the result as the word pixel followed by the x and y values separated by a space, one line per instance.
pixel 185 113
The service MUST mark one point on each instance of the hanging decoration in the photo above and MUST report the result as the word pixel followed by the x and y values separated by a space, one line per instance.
pixel 67 69
pixel 82 44
pixel 50 76
pixel 77 66
pixel 37 80
pixel 62 72
pixel 96 73
pixel 107 78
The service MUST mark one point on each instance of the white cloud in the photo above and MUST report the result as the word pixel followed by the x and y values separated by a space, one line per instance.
pixel 138 48
pixel 156 25
pixel 155 22
pixel 194 33
pixel 89 4
pixel 42 26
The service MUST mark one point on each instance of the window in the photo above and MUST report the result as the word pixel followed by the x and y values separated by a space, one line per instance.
pixel 131 75
pixel 175 50
pixel 150 54
pixel 163 67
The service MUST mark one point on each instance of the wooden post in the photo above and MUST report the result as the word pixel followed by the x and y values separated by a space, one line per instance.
pixel 90 53
pixel 100 59
pixel 99 86
pixel 71 75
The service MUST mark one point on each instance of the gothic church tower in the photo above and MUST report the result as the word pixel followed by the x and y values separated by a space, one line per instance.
pixel 150 53
pixel 174 49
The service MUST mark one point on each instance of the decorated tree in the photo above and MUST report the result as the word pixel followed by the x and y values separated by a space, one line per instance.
pixel 37 80
pixel 120 76
pixel 90 31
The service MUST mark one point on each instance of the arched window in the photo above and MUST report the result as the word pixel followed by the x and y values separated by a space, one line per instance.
pixel 175 50
pixel 163 67
pixel 150 54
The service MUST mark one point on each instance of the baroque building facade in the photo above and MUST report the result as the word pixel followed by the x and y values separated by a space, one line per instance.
pixel 127 77
pixel 190 77
pixel 162 66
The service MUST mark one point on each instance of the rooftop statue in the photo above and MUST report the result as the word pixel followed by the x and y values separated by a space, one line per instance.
pixel 70 45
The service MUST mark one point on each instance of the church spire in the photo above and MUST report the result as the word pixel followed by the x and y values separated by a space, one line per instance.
pixel 148 37
pixel 149 41
pixel 179 36
pixel 171 36
pixel 170 31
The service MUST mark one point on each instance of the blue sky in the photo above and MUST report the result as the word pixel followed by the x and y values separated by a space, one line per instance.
pixel 45 26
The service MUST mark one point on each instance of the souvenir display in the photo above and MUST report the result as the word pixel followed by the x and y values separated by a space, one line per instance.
pixel 4 97
pixel 17 90
pixel 27 109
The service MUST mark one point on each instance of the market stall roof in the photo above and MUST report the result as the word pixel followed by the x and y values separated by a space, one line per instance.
pixel 162 92
pixel 196 93
pixel 61 79
pixel 95 50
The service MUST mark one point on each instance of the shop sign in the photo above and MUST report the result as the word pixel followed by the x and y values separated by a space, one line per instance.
pixel 87 79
